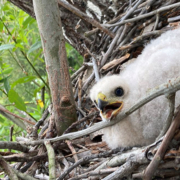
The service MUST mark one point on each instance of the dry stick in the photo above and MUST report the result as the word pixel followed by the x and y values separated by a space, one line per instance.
pixel 25 157
pixel 156 23
pixel 147 7
pixel 94 173
pixel 172 19
pixel 82 68
pixel 80 121
pixel 51 158
pixel 152 167
pixel 111 47
pixel 82 15
pixel 113 43
pixel 34 133
pixel 23 176
pixel 13 145
pixel 7 169
pixel 87 159
pixel 124 170
pixel 153 33
pixel 171 86
pixel 144 15
pixel 140 38
pixel 73 151
pixel 91 32
pixel 95 67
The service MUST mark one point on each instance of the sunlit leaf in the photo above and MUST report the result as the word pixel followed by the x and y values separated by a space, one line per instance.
pixel 15 98
pixel 1 26
pixel 6 46
pixel 6 84
pixel 28 21
pixel 6 71
pixel 35 46
pixel 1 120
pixel 24 80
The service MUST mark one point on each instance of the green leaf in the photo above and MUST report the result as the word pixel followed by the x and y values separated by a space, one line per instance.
pixel 24 80
pixel 1 26
pixel 28 21
pixel 35 46
pixel 15 98
pixel 6 46
pixel 6 84
pixel 6 71
pixel 1 120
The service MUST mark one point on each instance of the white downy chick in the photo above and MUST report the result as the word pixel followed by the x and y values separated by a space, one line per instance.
pixel 159 62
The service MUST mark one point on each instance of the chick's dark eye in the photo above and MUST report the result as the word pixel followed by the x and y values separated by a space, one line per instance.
pixel 119 91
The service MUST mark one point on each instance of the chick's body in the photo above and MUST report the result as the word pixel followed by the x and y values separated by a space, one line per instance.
pixel 159 61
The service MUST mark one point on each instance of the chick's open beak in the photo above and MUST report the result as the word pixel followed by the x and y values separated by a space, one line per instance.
pixel 108 109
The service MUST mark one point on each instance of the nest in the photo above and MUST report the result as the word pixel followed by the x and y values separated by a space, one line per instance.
pixel 76 156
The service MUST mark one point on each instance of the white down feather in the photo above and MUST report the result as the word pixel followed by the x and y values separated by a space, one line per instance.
pixel 159 61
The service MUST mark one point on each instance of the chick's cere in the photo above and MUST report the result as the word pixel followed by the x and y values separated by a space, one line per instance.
pixel 159 62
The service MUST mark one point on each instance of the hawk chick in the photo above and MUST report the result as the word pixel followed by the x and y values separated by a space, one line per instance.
pixel 159 61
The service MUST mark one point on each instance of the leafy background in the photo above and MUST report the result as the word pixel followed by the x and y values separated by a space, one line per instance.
pixel 23 75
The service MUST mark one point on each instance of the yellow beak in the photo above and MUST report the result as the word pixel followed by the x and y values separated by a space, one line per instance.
pixel 108 109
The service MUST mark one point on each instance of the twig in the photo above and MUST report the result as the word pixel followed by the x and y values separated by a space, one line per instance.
pixel 34 133
pixel 113 43
pixel 144 15
pixel 85 17
pixel 156 23
pixel 51 158
pixel 95 67
pixel 94 173
pixel 13 145
pixel 82 68
pixel 7 169
pixel 85 160
pixel 172 19
pixel 80 121
pixel 25 157
pixel 23 176
pixel 152 167
pixel 73 151
pixel 153 33
pixel 124 170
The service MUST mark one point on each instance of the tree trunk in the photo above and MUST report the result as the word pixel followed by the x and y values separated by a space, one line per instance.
pixel 49 22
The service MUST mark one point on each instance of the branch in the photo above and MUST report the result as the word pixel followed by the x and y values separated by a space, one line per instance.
pixel 144 16
pixel 152 167
pixel 51 158
pixel 7 169
pixel 85 17
pixel 171 86
pixel 13 145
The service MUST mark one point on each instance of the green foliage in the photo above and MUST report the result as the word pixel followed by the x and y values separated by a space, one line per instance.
pixel 20 85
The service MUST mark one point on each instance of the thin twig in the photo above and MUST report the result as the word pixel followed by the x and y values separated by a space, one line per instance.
pixel 152 167
pixel 85 17
pixel 51 158
pixel 144 15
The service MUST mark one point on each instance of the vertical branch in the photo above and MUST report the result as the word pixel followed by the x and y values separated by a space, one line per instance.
pixel 49 23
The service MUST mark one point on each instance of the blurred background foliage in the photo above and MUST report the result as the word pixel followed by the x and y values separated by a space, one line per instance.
pixel 23 79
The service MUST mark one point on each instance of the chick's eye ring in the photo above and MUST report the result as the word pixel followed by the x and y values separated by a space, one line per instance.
pixel 119 91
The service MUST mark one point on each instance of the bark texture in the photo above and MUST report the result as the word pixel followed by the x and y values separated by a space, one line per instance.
pixel 49 22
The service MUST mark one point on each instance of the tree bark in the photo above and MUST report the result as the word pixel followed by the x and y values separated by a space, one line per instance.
pixel 49 22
